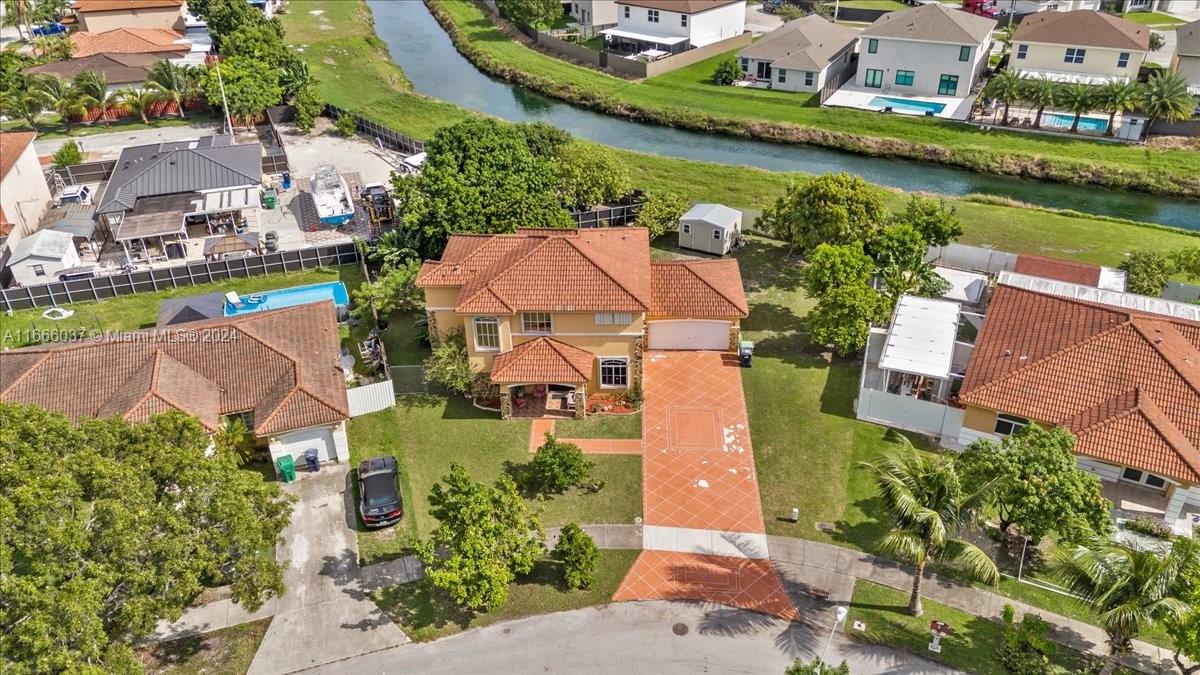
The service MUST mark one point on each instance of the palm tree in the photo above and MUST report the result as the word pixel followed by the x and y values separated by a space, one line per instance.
pixel 94 86
pixel 138 102
pixel 19 13
pixel 51 48
pixel 1165 96
pixel 1129 589
pixel 928 505
pixel 64 98
pixel 1041 93
pixel 1007 86
pixel 1117 97
pixel 170 82
pixel 26 104
pixel 1077 98
pixel 1005 35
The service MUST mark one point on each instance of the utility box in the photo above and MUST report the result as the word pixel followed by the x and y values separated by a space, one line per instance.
pixel 287 468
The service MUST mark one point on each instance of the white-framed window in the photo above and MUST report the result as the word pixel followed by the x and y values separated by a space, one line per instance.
pixel 1074 55
pixel 614 373
pixel 537 322
pixel 38 270
pixel 687 228
pixel 745 64
pixel 1010 424
pixel 626 8
pixel 718 234
pixel 683 20
pixel 1022 52
pixel 1145 478
pixel 487 334
pixel 613 318
pixel 1123 60
pixel 809 78
pixel 652 15
pixel 782 75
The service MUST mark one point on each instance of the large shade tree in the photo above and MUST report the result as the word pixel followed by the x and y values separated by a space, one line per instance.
pixel 832 208
pixel 250 86
pixel 110 527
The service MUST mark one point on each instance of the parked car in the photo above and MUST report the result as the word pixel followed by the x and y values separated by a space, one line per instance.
pixel 75 194
pixel 379 502
pixel 772 6
pixel 48 29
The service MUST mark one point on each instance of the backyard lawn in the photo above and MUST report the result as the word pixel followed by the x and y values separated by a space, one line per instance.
pixel 886 5
pixel 1152 19
pixel 226 651
pixel 424 614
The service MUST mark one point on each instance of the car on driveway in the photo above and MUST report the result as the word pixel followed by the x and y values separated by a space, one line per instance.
pixel 49 29
pixel 379 502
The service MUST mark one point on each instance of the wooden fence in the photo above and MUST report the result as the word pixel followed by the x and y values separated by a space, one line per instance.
pixel 189 274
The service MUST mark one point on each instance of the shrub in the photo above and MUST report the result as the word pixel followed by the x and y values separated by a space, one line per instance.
pixel 557 466
pixel 660 213
pixel 449 365
pixel 1026 649
pixel 67 154
pixel 346 124
pixel 309 106
pixel 578 555
pixel 789 12
pixel 1149 526
pixel 728 71
pixel 816 666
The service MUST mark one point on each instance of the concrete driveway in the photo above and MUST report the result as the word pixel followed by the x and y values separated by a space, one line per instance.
pixel 759 22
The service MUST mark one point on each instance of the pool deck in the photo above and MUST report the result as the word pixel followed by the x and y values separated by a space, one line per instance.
pixel 854 96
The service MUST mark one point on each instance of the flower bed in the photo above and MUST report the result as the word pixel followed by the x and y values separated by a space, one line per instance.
pixel 611 404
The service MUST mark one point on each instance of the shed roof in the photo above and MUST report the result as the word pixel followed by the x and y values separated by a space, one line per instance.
pixel 43 244
pixel 808 43
pixel 920 339
pixel 208 163
pixel 933 23
pixel 79 220
pixel 193 308
pixel 231 243
pixel 713 214
pixel 1084 27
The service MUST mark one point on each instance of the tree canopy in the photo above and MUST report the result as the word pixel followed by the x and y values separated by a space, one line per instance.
pixel 590 174
pixel 109 527
pixel 936 220
pixel 831 267
pixel 660 212
pixel 843 317
pixel 831 209
pixel 251 86
pixel 532 13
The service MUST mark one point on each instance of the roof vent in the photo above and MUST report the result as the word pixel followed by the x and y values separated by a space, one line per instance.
pixel 1008 352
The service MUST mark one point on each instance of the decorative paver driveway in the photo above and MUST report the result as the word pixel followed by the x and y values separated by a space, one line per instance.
pixel 703 530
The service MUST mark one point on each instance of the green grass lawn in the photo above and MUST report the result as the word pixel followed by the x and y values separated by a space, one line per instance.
pixel 50 125
pixel 427 433
pixel 1152 19
pixel 971 646
pixel 885 5
pixel 601 426
pixel 424 613
pixel 688 94
pixel 226 651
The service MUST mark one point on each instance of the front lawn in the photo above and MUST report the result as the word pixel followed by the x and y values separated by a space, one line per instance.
pixel 229 650
pixel 601 426
pixel 424 614
pixel 1153 19
pixel 971 646
pixel 884 5
pixel 427 433
pixel 50 125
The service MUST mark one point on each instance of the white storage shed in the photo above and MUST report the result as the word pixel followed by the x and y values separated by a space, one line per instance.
pixel 712 228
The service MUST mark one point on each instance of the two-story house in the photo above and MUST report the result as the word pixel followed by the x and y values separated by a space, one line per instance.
pixel 1187 55
pixel 673 26
pixel 929 50
pixel 24 195
pixel 1085 47
pixel 97 16
pixel 800 55
pixel 556 315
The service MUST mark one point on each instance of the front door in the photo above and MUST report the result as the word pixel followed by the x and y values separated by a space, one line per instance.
pixel 764 70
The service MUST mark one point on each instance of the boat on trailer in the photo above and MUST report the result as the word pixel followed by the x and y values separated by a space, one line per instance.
pixel 332 196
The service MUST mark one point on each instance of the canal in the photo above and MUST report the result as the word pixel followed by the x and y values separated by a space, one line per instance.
pixel 419 45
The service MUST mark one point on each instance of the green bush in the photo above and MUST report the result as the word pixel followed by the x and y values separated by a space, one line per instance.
pixel 579 557
pixel 346 124
pixel 1149 526
pixel 728 71
pixel 68 154
pixel 1026 649
pixel 557 467
pixel 449 365
pixel 309 107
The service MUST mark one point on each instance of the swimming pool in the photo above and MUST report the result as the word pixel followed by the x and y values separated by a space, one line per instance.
pixel 1065 120
pixel 290 297
pixel 907 105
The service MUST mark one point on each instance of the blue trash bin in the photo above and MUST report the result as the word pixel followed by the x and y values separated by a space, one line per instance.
pixel 312 459
pixel 287 180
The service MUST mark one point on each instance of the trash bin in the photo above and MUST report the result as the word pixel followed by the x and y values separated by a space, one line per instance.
pixel 311 459
pixel 746 352
pixel 287 468
pixel 269 197
pixel 287 180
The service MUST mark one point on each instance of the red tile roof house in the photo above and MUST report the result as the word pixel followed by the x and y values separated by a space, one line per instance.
pixel 556 316
pixel 278 370
pixel 1121 371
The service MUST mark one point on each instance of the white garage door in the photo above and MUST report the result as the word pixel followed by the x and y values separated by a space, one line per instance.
pixel 296 442
pixel 690 334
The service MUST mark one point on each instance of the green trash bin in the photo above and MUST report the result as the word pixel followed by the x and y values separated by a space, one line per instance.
pixel 269 197
pixel 287 468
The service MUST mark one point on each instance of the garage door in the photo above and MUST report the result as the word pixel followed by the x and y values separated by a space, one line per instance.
pixel 296 442
pixel 691 334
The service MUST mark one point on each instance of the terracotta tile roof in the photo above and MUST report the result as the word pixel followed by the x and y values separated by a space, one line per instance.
pixel 12 144
pixel 1083 28
pixel 684 6
pixel 1126 382
pixel 542 360
pixel 1061 270
pixel 127 41
pixel 282 364
pixel 121 5
pixel 116 68
pixel 700 289
pixel 546 270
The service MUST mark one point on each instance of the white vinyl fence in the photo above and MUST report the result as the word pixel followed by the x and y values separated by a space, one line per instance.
pixel 371 398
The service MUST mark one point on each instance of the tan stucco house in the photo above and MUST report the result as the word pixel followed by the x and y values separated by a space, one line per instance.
pixel 554 316
pixel 97 16
pixel 1084 46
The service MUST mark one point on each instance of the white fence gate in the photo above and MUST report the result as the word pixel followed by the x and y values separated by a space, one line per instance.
pixel 371 398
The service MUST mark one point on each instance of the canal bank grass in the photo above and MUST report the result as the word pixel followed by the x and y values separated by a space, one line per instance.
pixel 688 98
pixel 1006 227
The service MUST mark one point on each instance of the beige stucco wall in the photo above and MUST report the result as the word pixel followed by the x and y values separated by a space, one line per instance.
pixel 24 195
pixel 170 18
pixel 441 298
pixel 1096 61
pixel 980 419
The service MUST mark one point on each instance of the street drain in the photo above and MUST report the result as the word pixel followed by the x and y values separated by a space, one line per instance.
pixel 680 629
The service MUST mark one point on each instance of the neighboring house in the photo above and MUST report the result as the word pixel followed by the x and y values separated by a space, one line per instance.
pixel 712 228
pixel 674 26
pixel 276 370
pixel 800 55
pixel 1085 47
pixel 101 15
pixel 1059 344
pixel 24 195
pixel 1159 5
pixel 42 255
pixel 157 41
pixel 1023 7
pixel 119 70
pixel 594 12
pixel 1187 55
pixel 155 190
pixel 554 316
pixel 929 50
